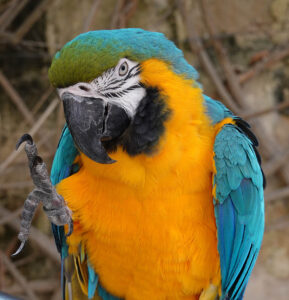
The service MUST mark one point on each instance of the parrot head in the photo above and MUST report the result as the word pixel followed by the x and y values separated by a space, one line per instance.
pixel 108 98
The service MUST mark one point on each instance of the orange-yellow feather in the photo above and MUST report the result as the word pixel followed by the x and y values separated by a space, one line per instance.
pixel 147 222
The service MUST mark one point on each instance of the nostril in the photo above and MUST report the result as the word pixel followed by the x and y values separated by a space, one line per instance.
pixel 84 88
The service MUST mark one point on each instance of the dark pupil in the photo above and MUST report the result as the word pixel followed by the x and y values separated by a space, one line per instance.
pixel 123 67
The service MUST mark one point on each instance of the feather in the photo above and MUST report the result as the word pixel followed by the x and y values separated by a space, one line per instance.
pixel 92 281
pixel 239 207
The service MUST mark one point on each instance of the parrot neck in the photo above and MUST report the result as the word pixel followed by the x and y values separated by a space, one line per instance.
pixel 186 145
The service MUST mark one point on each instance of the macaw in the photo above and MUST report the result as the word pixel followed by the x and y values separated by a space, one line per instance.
pixel 160 185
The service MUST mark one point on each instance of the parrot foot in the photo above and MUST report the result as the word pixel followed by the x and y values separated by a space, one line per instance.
pixel 53 203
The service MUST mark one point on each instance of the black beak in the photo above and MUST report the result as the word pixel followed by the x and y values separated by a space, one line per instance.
pixel 91 121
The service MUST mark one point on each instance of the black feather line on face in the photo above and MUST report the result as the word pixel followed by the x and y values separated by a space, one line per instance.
pixel 121 93
pixel 146 128
pixel 133 72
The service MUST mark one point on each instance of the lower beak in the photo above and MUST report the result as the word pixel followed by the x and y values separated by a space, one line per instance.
pixel 90 121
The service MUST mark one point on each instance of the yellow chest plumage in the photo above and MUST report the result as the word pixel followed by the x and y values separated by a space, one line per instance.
pixel 147 222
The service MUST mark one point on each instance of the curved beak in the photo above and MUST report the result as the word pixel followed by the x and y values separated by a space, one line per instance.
pixel 90 121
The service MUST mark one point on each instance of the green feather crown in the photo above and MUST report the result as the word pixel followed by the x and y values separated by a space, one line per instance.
pixel 88 55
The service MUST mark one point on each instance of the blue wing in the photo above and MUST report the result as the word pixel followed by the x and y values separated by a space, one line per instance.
pixel 63 167
pixel 239 205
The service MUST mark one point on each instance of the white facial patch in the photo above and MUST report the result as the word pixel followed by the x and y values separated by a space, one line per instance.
pixel 119 85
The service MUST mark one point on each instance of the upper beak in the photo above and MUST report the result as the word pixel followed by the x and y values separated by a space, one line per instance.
pixel 90 121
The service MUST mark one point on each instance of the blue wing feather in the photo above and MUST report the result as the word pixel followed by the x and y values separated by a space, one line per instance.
pixel 239 208
pixel 63 167
pixel 92 281
pixel 64 157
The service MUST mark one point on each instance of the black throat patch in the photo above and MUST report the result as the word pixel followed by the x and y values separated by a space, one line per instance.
pixel 146 128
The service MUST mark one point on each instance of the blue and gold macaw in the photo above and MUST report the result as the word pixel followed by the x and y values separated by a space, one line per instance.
pixel 162 184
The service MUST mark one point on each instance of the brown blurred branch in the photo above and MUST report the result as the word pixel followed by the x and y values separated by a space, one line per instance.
pixel 11 216
pixel 32 131
pixel 282 223
pixel 279 107
pixel 47 154
pixel 26 260
pixel 18 162
pixel 17 100
pixel 11 246
pixel 128 11
pixel 123 11
pixel 277 194
pixel 40 286
pixel 6 15
pixel 30 20
pixel 57 294
pixel 40 239
pixel 7 37
pixel 42 100
pixel 227 67
pixel 268 62
pixel 197 47
pixel 91 15
pixel 276 162
pixel 15 185
pixel 116 14
pixel 15 97
pixel 13 13
pixel 18 276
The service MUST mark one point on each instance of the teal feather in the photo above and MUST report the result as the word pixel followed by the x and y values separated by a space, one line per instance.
pixel 61 168
pixel 239 209
pixel 92 281
pixel 234 177
pixel 244 278
pixel 65 155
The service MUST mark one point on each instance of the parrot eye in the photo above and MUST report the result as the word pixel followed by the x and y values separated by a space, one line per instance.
pixel 123 69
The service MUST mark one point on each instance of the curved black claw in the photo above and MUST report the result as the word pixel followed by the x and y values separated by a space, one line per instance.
pixel 25 138
pixel 70 228
pixel 19 249
pixel 53 203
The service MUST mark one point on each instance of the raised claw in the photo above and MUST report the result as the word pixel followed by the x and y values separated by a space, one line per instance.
pixel 25 138
pixel 53 203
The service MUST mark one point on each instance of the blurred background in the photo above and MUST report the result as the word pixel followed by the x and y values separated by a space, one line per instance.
pixel 241 50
